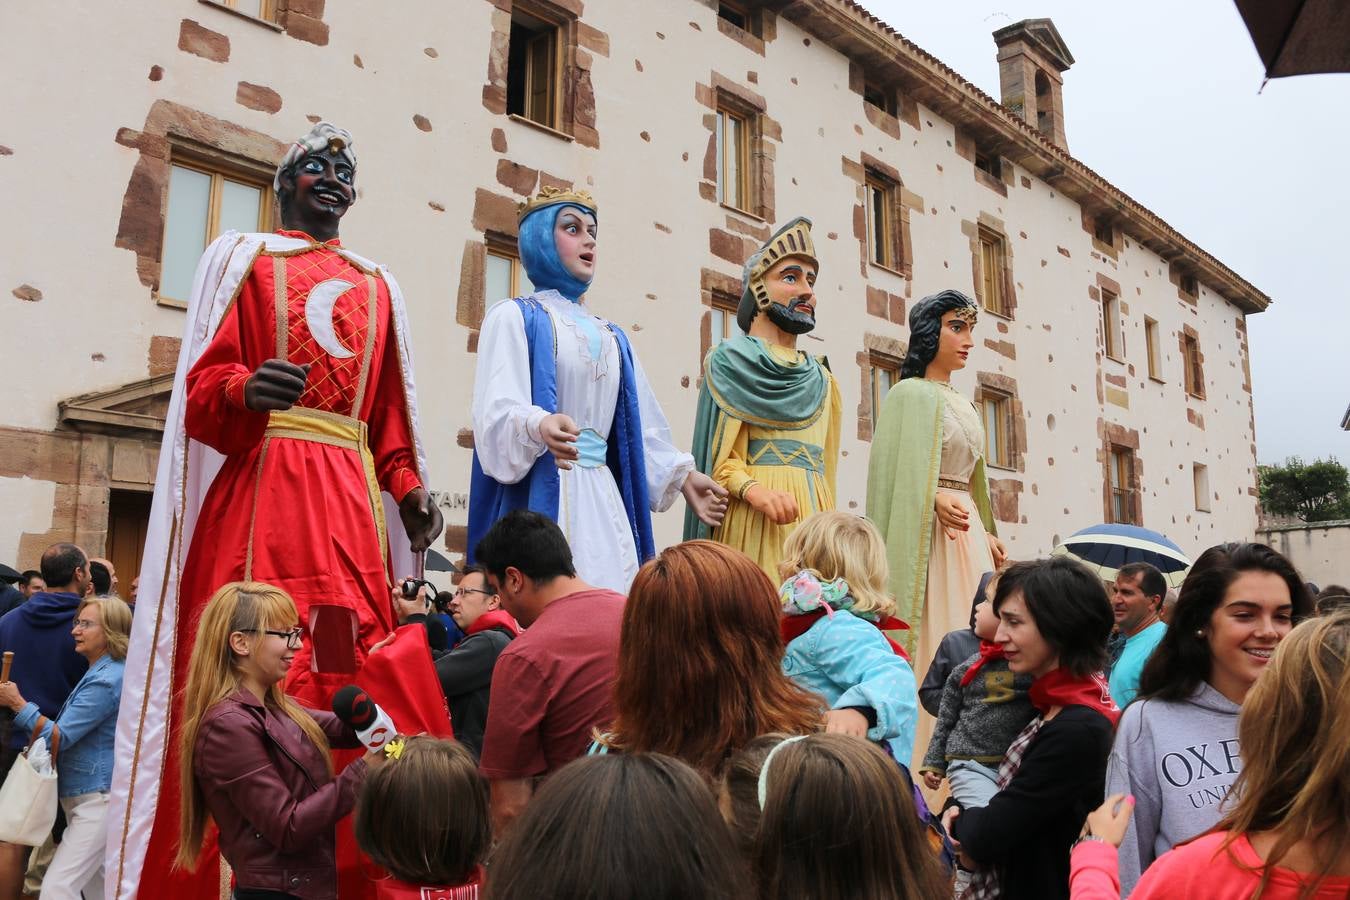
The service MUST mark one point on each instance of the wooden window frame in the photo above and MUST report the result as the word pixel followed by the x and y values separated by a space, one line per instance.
pixel 747 23
pixel 1113 331
pixel 557 27
pixel 989 163
pixel 882 97
pixel 1120 486
pixel 992 282
pixel 504 246
pixel 748 119
pixel 999 450
pixel 1200 485
pixel 267 10
pixel 883 238
pixel 1104 231
pixel 878 362
pixel 723 305
pixel 220 169
pixel 1193 373
pixel 1153 348
pixel 1189 285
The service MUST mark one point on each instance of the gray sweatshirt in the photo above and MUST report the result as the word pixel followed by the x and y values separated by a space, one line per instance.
pixel 1179 760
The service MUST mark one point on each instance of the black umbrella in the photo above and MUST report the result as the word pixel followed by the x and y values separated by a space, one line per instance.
pixel 9 574
pixel 1299 37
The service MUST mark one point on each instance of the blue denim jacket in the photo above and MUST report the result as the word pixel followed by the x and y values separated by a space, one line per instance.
pixel 88 723
pixel 847 661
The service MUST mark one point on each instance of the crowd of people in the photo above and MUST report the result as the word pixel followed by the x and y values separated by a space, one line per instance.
pixel 587 715
pixel 714 735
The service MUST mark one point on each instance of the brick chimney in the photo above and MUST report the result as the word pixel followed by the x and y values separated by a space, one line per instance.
pixel 1031 59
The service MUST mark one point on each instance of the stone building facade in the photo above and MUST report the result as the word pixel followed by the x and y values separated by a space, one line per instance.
pixel 1113 362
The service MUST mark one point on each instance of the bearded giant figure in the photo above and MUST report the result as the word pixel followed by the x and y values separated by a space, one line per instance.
pixel 767 423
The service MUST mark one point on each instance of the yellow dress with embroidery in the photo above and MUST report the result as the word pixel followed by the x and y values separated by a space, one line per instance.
pixel 802 463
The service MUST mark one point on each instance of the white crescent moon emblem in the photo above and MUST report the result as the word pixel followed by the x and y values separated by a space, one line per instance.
pixel 319 315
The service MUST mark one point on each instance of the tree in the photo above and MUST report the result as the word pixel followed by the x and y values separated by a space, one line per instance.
pixel 1318 491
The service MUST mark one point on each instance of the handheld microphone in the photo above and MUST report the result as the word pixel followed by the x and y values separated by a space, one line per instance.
pixel 373 726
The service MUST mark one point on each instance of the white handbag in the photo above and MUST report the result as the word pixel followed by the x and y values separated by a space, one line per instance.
pixel 28 798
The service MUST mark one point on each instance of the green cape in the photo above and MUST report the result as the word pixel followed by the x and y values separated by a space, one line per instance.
pixel 741 379
pixel 902 476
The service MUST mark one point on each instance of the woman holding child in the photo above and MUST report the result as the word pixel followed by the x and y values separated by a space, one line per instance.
pixel 1054 620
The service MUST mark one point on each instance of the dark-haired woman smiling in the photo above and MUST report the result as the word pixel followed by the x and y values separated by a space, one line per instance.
pixel 1054 620
pixel 1177 747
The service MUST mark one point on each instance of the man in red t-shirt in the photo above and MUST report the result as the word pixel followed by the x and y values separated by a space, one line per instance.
pixel 552 685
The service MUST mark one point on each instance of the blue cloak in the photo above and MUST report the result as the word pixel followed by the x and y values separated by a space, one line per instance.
pixel 489 499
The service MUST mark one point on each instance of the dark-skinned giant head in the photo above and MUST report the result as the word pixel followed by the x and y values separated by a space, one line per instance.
pixel 316 180
pixel 780 280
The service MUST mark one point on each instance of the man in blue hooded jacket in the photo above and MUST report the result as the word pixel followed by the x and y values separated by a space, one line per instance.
pixel 45 663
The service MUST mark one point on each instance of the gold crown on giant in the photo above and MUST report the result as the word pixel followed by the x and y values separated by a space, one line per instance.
pixel 550 196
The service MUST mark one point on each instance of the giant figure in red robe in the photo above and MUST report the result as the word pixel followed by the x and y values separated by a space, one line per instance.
pixel 290 457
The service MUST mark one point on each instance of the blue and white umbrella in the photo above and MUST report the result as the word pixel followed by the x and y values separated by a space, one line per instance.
pixel 1105 548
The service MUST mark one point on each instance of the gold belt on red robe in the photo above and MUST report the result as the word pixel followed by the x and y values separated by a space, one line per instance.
pixel 335 430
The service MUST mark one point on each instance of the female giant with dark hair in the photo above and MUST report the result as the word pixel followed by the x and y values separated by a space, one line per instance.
pixel 1177 747
pixel 926 486
pixel 1054 620
pixel 700 660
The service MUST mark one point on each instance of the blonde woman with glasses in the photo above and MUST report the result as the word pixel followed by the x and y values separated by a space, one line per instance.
pixel 254 761
pixel 84 731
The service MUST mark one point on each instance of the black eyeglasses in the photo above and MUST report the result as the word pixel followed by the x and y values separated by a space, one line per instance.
pixel 292 637
pixel 460 592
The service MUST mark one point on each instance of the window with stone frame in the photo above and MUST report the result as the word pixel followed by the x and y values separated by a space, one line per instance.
pixel 996 412
pixel 989 162
pixel 884 374
pixel 1113 341
pixel 258 9
pixel 735 132
pixel 1190 285
pixel 883 231
pixel 989 280
pixel 723 323
pixel 882 97
pixel 1122 486
pixel 208 195
pixel 738 14
pixel 1194 373
pixel 1103 230
pixel 533 69
pixel 1154 348
pixel 503 274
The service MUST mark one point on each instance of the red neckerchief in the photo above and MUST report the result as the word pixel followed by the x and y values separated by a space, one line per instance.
pixel 988 650
pixel 1059 688
pixel 793 627
pixel 494 618
pixel 393 889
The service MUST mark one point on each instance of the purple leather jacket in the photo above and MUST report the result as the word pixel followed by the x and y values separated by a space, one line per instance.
pixel 269 792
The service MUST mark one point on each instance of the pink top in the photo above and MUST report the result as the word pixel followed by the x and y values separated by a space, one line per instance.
pixel 1198 870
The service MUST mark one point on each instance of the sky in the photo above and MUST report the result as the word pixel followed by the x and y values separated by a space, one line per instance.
pixel 1162 101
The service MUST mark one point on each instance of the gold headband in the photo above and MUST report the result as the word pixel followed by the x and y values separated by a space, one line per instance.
pixel 967 314
pixel 551 196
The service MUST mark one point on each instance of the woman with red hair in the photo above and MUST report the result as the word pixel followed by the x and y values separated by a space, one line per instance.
pixel 700 660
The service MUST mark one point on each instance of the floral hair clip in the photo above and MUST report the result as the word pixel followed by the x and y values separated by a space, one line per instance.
pixel 394 749
pixel 805 592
